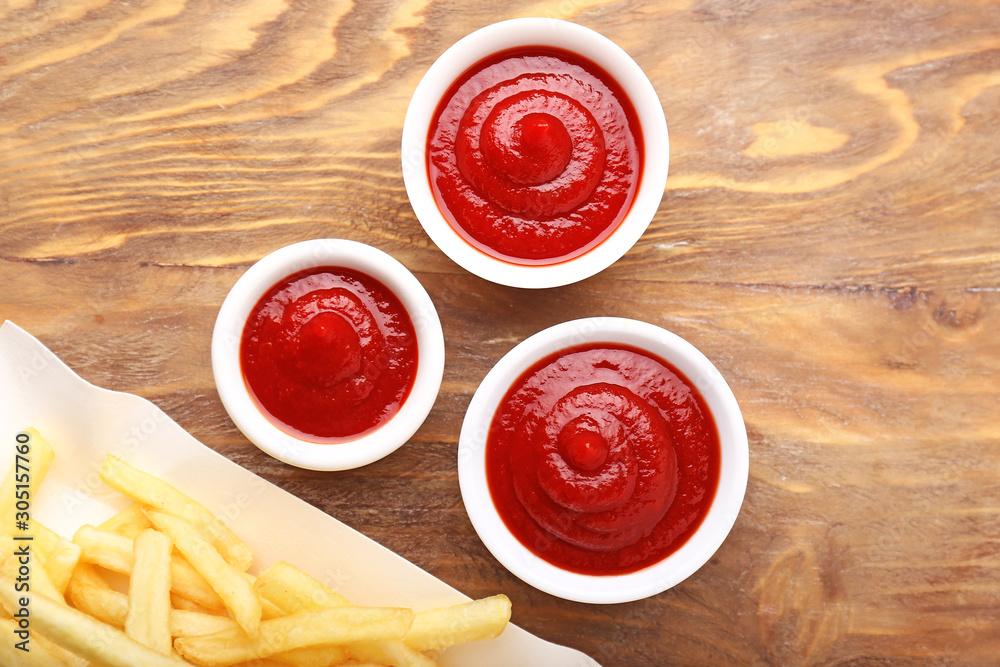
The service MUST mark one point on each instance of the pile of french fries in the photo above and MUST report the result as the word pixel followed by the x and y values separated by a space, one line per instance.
pixel 188 597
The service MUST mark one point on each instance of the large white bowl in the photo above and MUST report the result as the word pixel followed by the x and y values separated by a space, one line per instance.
pixel 233 391
pixel 535 32
pixel 674 568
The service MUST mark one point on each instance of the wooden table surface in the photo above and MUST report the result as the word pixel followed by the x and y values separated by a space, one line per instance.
pixel 829 236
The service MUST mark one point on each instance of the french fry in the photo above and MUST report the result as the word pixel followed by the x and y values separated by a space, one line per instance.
pixel 285 589
pixel 153 491
pixel 267 608
pixel 184 623
pixel 180 602
pixel 87 574
pixel 105 604
pixel 148 619
pixel 335 626
pixel 60 555
pixel 44 538
pixel 8 546
pixel 395 653
pixel 313 656
pixel 60 560
pixel 90 593
pixel 38 577
pixel 40 582
pixel 469 621
pixel 42 652
pixel 293 590
pixel 37 655
pixel 40 649
pixel 229 583
pixel 85 636
pixel 114 552
pixel 19 484
pixel 129 522
pixel 111 606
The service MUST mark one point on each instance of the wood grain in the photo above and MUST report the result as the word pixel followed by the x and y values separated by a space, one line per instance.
pixel 828 236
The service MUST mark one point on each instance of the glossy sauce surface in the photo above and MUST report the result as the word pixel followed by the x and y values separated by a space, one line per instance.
pixel 534 155
pixel 602 459
pixel 329 353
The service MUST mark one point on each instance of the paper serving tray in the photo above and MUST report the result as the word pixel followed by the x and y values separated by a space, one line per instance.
pixel 84 422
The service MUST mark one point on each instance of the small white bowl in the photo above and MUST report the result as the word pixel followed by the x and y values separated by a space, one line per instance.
pixel 535 32
pixel 674 568
pixel 256 426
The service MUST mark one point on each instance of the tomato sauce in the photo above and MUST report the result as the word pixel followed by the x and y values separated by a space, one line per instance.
pixel 534 155
pixel 602 459
pixel 329 354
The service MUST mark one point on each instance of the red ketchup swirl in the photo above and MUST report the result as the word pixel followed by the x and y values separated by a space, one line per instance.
pixel 602 459
pixel 329 353
pixel 534 155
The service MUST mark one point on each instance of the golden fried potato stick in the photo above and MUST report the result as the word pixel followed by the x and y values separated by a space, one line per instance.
pixel 60 554
pixel 180 602
pixel 439 628
pixel 313 656
pixel 38 577
pixel 231 584
pixel 8 546
pixel 154 492
pixel 336 626
pixel 105 604
pixel 114 552
pixel 37 655
pixel 87 574
pixel 185 623
pixel 269 609
pixel 41 583
pixel 60 561
pixel 21 484
pixel 287 589
pixel 293 590
pixel 148 619
pixel 111 606
pixel 83 635
pixel 394 653
pixel 129 522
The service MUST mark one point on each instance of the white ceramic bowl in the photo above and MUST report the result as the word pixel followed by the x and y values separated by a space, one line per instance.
pixel 613 588
pixel 277 266
pixel 535 32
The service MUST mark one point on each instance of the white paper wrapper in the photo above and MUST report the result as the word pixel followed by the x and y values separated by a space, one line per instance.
pixel 84 422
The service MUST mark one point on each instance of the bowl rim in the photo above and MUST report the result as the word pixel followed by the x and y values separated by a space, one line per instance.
pixel 534 31
pixel 599 589
pixel 280 264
